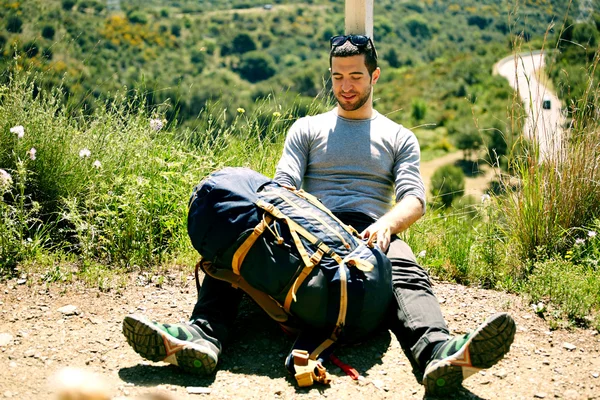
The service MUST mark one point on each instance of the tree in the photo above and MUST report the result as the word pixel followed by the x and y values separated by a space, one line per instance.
pixel 468 140
pixel 68 5
pixel 256 66
pixel 419 109
pixel 447 184
pixel 48 32
pixel 243 43
pixel 14 24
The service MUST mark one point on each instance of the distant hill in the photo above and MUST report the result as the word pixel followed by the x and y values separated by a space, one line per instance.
pixel 436 55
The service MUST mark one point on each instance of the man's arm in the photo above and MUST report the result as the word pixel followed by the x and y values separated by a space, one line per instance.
pixel 397 220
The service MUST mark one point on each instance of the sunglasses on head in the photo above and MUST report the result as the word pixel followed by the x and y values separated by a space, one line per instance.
pixel 357 40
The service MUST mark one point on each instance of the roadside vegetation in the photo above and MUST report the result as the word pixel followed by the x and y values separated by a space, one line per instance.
pixel 95 172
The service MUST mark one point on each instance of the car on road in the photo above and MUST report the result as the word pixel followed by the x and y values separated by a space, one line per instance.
pixel 546 103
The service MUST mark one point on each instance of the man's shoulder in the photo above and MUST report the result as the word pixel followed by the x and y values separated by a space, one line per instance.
pixel 392 126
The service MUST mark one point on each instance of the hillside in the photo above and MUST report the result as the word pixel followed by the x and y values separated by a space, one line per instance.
pixel 436 56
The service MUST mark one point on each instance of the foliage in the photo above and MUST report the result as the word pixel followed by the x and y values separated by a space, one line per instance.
pixel 447 184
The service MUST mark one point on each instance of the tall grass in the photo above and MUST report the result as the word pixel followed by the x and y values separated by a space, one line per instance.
pixel 112 188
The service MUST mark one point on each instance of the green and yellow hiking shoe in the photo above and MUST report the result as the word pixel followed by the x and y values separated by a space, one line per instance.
pixel 186 346
pixel 462 356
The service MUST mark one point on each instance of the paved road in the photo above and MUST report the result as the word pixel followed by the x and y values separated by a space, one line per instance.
pixel 542 126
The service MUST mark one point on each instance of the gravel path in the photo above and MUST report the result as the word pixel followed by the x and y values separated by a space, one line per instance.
pixel 39 336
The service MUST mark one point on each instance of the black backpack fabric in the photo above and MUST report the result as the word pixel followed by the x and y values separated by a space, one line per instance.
pixel 286 244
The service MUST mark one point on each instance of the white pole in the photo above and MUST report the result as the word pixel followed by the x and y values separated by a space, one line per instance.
pixel 359 17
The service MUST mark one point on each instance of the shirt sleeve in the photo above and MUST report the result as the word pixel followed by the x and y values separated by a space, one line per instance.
pixel 407 179
pixel 292 165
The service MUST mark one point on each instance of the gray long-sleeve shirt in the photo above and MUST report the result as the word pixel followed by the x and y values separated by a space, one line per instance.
pixel 352 165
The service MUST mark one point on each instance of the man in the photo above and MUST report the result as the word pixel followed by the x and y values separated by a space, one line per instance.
pixel 354 160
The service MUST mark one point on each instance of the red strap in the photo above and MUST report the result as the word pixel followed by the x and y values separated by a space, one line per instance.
pixel 351 372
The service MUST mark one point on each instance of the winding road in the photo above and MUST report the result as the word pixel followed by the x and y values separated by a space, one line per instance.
pixel 542 126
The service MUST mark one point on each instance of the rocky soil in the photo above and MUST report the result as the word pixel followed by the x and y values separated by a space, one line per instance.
pixel 46 328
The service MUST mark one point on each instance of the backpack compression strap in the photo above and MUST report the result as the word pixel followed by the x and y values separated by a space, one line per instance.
pixel 266 302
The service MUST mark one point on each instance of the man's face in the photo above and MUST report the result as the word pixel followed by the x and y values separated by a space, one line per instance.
pixel 351 82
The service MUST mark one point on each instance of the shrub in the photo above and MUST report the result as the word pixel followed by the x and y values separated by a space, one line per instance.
pixel 14 24
pixel 256 66
pixel 48 32
pixel 68 5
pixel 447 184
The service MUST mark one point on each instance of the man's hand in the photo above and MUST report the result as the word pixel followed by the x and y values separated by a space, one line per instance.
pixel 397 220
pixel 380 233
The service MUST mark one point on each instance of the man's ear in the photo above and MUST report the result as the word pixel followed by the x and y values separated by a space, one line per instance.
pixel 375 76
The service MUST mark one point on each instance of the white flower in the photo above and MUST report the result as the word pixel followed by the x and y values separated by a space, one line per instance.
pixel 485 197
pixel 31 153
pixel 97 164
pixel 156 124
pixel 83 153
pixel 539 307
pixel 592 234
pixel 422 254
pixel 5 180
pixel 19 130
pixel 579 241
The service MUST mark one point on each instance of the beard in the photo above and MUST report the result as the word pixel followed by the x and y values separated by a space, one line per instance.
pixel 360 100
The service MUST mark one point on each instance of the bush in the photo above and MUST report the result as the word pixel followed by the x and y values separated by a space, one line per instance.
pixel 48 32
pixel 14 24
pixel 256 66
pixel 447 184
pixel 68 5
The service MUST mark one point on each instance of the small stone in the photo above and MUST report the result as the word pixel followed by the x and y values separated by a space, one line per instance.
pixel 571 394
pixel 546 362
pixel 8 394
pixel 500 374
pixel 69 310
pixel 540 395
pixel 29 353
pixel 5 339
pixel 485 382
pixel 568 346
pixel 378 383
pixel 595 375
pixel 197 390
pixel 21 281
pixel 12 364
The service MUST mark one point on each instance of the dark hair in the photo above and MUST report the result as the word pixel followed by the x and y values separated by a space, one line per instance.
pixel 348 50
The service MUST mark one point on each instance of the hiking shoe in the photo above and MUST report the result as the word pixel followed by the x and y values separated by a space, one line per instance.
pixel 462 356
pixel 186 346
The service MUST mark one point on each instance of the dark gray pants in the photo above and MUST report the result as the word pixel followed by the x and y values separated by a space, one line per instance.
pixel 415 318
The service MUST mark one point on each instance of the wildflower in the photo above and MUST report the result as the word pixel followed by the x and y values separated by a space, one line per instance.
pixel 97 164
pixel 539 307
pixel 156 124
pixel 485 197
pixel 579 242
pixel 31 153
pixel 422 254
pixel 241 110
pixel 592 234
pixel 277 114
pixel 84 153
pixel 5 180
pixel 19 130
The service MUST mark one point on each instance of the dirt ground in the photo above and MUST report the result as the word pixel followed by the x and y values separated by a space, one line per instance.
pixel 39 336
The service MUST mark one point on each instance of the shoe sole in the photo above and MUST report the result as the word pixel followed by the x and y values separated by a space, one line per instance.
pixel 488 345
pixel 155 345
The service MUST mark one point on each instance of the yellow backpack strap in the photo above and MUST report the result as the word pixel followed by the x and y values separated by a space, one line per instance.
pixel 266 302
pixel 242 251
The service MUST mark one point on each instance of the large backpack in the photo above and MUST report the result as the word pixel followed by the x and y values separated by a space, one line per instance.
pixel 291 254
